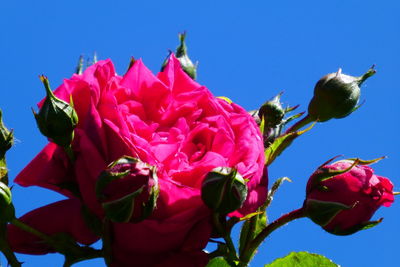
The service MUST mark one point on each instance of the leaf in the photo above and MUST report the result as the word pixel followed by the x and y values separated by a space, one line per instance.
pixel 280 144
pixel 302 259
pixel 272 191
pixel 218 262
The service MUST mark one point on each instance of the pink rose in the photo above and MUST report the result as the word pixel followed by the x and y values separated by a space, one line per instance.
pixel 168 121
pixel 344 203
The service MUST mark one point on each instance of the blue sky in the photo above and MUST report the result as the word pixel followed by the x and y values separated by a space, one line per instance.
pixel 248 51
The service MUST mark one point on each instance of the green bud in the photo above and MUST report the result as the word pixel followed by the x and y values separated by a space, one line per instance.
pixel 128 190
pixel 7 211
pixel 336 95
pixel 224 190
pixel 6 137
pixel 56 119
pixel 182 55
pixel 272 112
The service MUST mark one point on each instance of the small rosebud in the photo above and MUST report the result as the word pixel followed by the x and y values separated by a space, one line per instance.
pixel 182 55
pixel 272 112
pixel 7 211
pixel 342 197
pixel 271 119
pixel 56 118
pixel 6 138
pixel 336 95
pixel 224 190
pixel 128 190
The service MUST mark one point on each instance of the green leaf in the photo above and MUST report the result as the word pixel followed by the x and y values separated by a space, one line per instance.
pixel 302 259
pixel 280 144
pixel 218 262
pixel 272 191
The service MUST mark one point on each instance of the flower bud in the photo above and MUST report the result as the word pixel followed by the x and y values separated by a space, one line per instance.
pixel 224 190
pixel 272 112
pixel 128 190
pixel 56 119
pixel 181 54
pixel 7 211
pixel 336 95
pixel 343 196
pixel 6 138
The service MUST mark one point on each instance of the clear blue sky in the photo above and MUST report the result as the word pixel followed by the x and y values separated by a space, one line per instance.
pixel 248 51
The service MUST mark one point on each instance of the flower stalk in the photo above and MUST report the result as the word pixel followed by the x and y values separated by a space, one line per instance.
pixel 251 247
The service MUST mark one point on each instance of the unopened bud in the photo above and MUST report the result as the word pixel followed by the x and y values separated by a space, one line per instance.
pixel 6 138
pixel 336 95
pixel 224 190
pixel 182 55
pixel 7 211
pixel 56 118
pixel 128 190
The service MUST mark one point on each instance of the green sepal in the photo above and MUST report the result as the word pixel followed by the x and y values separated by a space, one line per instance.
pixel 79 66
pixel 323 173
pixel 281 143
pixel 322 212
pixel 224 190
pixel 181 54
pixel 121 210
pixel 356 228
pixel 366 162
pixel 7 211
pixel 366 75
pixel 149 206
pixel 106 178
pixel 302 259
pixel 298 115
pixel 56 118
pixel 273 190
pixel 6 137
pixel 272 111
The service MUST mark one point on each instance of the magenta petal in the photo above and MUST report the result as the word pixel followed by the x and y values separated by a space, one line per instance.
pixel 49 169
pixel 60 217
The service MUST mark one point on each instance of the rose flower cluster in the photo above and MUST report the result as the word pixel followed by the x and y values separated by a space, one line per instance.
pixel 156 167
pixel 168 122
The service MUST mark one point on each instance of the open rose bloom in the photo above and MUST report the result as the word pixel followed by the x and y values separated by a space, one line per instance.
pixel 168 121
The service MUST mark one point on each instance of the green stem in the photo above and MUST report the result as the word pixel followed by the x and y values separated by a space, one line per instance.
pixel 253 245
pixel 5 248
pixel 232 256
pixel 31 230
pixel 300 124
pixel 107 242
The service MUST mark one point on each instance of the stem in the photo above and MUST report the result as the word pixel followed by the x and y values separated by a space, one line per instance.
pixel 301 123
pixel 107 242
pixel 253 245
pixel 226 235
pixel 5 248
pixel 31 230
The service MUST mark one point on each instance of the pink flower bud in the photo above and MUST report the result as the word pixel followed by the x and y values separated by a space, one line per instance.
pixel 128 190
pixel 343 196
